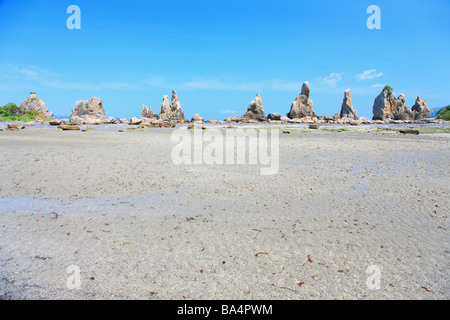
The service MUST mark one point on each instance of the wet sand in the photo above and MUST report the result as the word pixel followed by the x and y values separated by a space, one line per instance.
pixel 140 227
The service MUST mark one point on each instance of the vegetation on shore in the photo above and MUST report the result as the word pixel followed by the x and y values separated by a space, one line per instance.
pixel 444 114
pixel 11 112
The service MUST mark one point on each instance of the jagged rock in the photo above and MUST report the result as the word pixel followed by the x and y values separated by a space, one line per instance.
pixel 420 109
pixel 148 113
pixel 214 121
pixel 174 113
pixel 386 106
pixel 274 116
pixel 123 120
pixel 90 109
pixel 302 106
pixel 34 103
pixel 197 118
pixel 135 121
pixel 255 111
pixel 111 120
pixel 347 107
pixel 177 113
pixel 165 111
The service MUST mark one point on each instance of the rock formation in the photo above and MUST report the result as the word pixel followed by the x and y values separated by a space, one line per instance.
pixel 34 103
pixel 148 113
pixel 420 109
pixel 347 110
pixel 255 110
pixel 164 113
pixel 386 106
pixel 177 113
pixel 174 113
pixel 302 106
pixel 89 110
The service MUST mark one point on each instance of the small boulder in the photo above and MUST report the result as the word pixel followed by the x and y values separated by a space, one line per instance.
pixel 65 127
pixel 197 118
pixel 214 121
pixel 135 121
pixel 409 131
pixel 275 116
pixel 111 120
pixel 55 122
pixel 14 127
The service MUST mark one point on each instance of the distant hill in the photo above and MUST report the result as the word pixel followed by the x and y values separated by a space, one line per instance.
pixel 434 112
pixel 444 114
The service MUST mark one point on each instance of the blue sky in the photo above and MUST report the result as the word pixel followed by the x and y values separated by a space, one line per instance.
pixel 219 54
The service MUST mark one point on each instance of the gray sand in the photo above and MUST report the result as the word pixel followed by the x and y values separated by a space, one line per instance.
pixel 140 227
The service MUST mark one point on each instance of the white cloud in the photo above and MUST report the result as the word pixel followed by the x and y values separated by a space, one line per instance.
pixel 222 84
pixel 369 74
pixel 218 84
pixel 332 79
pixel 15 77
pixel 228 111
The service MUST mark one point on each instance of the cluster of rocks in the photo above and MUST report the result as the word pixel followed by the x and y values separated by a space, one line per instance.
pixel 168 115
pixel 387 107
pixel 301 111
pixel 88 112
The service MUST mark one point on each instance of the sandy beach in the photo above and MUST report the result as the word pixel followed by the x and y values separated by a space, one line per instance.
pixel 137 226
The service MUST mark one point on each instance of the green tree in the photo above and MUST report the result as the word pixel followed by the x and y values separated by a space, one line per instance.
pixel 12 109
pixel 388 89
